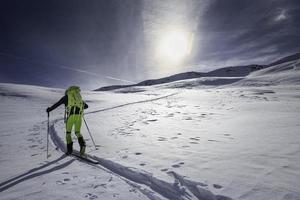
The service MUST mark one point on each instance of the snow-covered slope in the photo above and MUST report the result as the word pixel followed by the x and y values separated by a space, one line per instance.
pixel 287 73
pixel 289 58
pixel 162 142
pixel 26 173
pixel 208 138
pixel 237 71
pixel 234 72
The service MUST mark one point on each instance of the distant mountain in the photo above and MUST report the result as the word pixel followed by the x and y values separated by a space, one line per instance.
pixel 233 71
pixel 285 73
pixel 237 71
pixel 286 59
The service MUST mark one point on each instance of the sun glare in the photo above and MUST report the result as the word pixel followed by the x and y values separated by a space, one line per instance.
pixel 174 46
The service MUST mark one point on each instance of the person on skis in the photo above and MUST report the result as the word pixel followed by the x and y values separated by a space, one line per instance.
pixel 74 106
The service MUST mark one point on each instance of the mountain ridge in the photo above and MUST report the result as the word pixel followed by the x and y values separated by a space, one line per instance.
pixel 230 71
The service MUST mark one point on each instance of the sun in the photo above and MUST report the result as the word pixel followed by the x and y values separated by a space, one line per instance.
pixel 174 46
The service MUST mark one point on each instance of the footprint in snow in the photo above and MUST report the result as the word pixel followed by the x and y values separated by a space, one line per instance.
pixel 60 183
pixel 194 142
pixel 100 185
pixel 217 186
pixel 170 115
pixel 90 196
pixel 162 139
pixel 213 140
pixel 178 165
pixel 152 120
pixel 188 118
pixel 173 138
pixel 132 190
pixel 232 138
pixel 138 153
pixel 185 146
pixel 164 170
pixel 142 164
pixel 115 194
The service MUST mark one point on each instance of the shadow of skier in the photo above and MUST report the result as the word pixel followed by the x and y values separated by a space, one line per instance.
pixel 33 173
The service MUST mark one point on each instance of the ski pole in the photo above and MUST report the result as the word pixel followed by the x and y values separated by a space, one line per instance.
pixel 48 127
pixel 89 131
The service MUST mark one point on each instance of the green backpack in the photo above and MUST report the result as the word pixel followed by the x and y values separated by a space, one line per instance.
pixel 74 100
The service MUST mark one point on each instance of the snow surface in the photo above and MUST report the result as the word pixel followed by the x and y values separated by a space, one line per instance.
pixel 208 138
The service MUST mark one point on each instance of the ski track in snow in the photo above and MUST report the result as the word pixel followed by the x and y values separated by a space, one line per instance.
pixel 132 103
pixel 181 189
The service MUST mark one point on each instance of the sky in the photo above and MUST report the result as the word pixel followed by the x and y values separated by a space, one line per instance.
pixel 103 42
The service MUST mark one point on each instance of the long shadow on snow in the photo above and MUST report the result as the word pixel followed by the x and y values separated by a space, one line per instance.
pixel 31 173
pixel 166 189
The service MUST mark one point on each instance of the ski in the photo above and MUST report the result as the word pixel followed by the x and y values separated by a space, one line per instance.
pixel 84 158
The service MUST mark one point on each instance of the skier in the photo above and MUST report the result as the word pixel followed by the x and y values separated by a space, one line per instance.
pixel 74 106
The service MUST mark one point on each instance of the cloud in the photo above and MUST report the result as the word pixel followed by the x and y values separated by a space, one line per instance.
pixel 113 41
pixel 281 16
pixel 245 30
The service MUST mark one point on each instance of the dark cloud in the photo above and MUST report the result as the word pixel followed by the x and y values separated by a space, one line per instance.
pixel 115 39
pixel 98 36
pixel 247 29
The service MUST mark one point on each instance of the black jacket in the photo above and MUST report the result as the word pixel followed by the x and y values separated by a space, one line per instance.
pixel 64 100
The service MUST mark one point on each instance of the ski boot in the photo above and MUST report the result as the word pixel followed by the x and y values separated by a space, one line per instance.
pixel 69 148
pixel 82 145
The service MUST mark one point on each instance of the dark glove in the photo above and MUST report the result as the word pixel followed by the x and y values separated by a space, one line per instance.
pixel 48 110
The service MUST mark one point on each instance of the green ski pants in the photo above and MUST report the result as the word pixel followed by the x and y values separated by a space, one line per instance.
pixel 73 120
